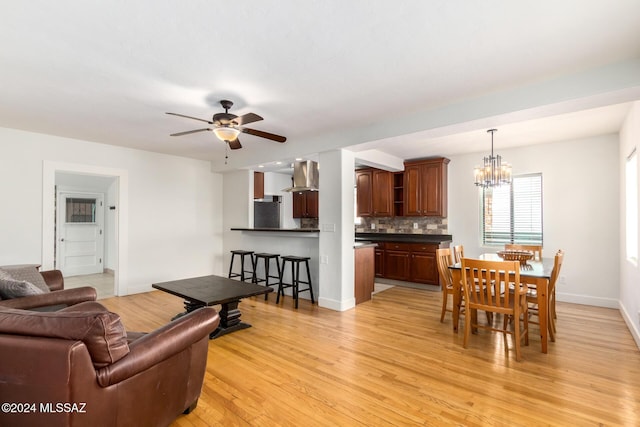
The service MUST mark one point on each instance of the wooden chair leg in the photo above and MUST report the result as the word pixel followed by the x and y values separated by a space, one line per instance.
pixel 467 328
pixel 445 297
pixel 516 336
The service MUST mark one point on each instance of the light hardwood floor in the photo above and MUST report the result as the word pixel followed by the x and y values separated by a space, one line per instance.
pixel 390 361
pixel 103 283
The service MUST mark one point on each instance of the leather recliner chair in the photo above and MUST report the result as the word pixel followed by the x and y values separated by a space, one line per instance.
pixel 56 299
pixel 78 367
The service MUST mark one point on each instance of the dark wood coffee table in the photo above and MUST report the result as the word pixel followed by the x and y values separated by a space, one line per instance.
pixel 213 290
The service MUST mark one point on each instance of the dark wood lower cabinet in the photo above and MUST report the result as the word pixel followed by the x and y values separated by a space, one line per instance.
pixel 396 264
pixel 364 273
pixel 424 268
pixel 379 260
pixel 410 262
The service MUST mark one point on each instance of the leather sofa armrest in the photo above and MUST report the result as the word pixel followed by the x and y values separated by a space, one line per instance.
pixel 63 297
pixel 53 279
pixel 160 345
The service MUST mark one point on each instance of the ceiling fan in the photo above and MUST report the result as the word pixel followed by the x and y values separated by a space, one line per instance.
pixel 227 126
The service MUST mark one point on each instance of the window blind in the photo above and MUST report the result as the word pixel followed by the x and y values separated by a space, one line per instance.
pixel 513 213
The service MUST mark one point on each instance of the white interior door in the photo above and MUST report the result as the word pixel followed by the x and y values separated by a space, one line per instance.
pixel 80 233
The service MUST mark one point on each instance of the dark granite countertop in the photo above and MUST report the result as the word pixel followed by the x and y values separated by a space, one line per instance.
pixel 364 244
pixel 408 238
pixel 289 230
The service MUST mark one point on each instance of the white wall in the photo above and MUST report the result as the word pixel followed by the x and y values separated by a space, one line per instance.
pixel 337 230
pixel 580 207
pixel 629 273
pixel 174 215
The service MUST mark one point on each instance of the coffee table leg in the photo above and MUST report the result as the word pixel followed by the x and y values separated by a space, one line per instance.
pixel 188 307
pixel 229 320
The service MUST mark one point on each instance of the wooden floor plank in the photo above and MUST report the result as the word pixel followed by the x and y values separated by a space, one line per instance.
pixel 390 361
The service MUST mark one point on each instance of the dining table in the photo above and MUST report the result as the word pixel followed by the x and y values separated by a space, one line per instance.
pixel 534 272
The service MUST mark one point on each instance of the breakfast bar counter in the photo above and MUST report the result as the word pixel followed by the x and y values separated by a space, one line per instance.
pixel 284 230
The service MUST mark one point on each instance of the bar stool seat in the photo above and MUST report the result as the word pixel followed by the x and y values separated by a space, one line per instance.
pixel 243 269
pixel 266 257
pixel 295 278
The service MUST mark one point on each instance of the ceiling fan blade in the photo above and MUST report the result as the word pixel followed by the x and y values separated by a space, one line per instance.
pixel 234 145
pixel 247 118
pixel 263 134
pixel 189 131
pixel 189 117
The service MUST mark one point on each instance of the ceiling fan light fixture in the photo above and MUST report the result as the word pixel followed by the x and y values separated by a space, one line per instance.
pixel 226 133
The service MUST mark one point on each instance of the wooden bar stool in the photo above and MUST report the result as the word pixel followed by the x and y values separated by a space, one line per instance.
pixel 295 278
pixel 267 261
pixel 243 269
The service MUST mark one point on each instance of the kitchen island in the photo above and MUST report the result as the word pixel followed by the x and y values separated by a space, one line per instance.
pixel 364 270
pixel 283 230
pixel 302 242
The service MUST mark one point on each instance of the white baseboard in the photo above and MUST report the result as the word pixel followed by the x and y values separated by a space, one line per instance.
pixel 337 305
pixel 587 300
pixel 633 326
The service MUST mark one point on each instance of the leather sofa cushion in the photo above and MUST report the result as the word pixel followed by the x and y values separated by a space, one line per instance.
pixel 28 273
pixel 100 330
pixel 10 288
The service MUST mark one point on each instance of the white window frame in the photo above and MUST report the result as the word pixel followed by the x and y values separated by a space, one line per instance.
pixel 511 236
pixel 631 208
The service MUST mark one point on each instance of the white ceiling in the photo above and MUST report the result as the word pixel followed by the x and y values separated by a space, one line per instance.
pixel 326 74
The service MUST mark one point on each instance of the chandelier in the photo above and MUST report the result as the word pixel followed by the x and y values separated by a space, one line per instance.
pixel 494 173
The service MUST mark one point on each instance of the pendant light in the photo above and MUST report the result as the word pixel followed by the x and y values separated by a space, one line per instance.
pixel 494 173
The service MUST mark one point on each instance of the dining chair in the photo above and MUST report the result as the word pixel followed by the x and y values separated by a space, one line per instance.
pixel 536 249
pixel 445 259
pixel 495 277
pixel 532 296
pixel 458 253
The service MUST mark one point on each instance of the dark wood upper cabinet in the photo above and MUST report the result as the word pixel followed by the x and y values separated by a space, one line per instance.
pixel 258 185
pixel 364 191
pixel 305 204
pixel 374 189
pixel 382 196
pixel 425 187
pixel 312 203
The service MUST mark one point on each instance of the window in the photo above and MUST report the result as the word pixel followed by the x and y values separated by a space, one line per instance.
pixel 513 213
pixel 81 210
pixel 631 211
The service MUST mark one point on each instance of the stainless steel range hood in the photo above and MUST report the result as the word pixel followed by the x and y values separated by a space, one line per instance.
pixel 305 176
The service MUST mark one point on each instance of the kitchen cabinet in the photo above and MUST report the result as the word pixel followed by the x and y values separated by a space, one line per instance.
pixel 364 190
pixel 398 194
pixel 379 260
pixel 424 267
pixel 364 273
pixel 425 187
pixel 305 204
pixel 374 190
pixel 410 262
pixel 397 258
pixel 258 185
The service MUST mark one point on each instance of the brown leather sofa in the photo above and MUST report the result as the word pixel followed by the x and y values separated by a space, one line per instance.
pixel 56 299
pixel 78 367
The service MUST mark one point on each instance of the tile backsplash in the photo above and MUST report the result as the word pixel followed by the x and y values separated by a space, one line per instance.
pixel 308 222
pixel 404 225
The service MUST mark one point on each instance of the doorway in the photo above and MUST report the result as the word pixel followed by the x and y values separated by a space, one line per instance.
pixel 79 233
pixel 84 183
